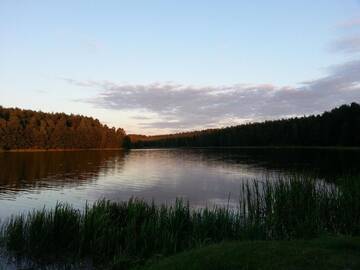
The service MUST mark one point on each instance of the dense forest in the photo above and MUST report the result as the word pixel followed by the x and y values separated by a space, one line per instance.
pixel 339 127
pixel 25 129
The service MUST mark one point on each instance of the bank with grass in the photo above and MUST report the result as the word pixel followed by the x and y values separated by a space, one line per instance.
pixel 324 253
pixel 130 234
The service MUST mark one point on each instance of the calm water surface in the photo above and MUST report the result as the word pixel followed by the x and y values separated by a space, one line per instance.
pixel 203 176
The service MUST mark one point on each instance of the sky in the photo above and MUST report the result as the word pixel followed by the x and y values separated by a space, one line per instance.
pixel 154 67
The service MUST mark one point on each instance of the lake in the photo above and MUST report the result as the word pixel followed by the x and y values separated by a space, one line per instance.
pixel 205 177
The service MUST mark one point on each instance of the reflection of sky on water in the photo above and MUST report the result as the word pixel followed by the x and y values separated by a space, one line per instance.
pixel 204 177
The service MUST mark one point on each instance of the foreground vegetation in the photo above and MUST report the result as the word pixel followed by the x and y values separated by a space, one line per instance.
pixel 124 235
pixel 335 253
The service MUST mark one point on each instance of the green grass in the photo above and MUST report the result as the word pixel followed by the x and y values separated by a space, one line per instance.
pixel 338 253
pixel 127 234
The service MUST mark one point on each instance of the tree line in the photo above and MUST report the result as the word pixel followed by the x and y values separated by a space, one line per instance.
pixel 338 127
pixel 26 129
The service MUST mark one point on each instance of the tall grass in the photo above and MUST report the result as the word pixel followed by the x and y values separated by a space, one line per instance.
pixel 129 232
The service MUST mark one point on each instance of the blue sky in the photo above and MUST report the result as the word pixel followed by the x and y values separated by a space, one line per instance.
pixel 165 66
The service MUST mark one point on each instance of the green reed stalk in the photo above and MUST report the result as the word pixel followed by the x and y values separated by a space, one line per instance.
pixel 126 233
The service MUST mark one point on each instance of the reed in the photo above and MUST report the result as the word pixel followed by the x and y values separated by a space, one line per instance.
pixel 127 233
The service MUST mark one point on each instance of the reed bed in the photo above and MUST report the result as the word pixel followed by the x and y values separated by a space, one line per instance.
pixel 128 233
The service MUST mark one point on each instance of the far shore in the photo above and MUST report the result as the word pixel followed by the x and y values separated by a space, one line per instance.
pixel 257 147
pixel 286 147
pixel 58 149
pixel 204 147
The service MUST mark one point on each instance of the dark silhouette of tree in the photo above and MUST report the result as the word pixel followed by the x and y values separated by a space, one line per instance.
pixel 127 142
pixel 339 127
pixel 25 129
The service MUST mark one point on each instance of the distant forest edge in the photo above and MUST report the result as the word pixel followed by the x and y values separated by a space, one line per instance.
pixel 26 129
pixel 338 127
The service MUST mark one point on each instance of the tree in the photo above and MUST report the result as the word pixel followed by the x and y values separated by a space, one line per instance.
pixel 28 129
pixel 340 126
pixel 127 142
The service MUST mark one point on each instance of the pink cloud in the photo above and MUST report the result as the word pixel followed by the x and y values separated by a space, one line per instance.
pixel 350 23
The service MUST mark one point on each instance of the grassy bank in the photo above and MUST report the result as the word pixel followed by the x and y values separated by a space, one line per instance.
pixel 124 235
pixel 336 253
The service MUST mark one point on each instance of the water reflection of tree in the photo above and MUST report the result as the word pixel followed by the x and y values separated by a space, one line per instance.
pixel 55 169
pixel 323 163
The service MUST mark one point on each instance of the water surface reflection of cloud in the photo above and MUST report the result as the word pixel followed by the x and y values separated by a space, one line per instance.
pixel 202 176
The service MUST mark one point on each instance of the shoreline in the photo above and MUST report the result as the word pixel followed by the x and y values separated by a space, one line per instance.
pixel 257 147
pixel 348 148
pixel 59 150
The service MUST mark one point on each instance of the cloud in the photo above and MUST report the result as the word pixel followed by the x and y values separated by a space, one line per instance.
pixel 350 41
pixel 353 22
pixel 185 107
pixel 173 107
pixel 349 44
pixel 141 117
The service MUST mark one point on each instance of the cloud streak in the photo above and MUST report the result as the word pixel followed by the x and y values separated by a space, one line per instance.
pixel 348 45
pixel 185 107
pixel 353 22
pixel 350 42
